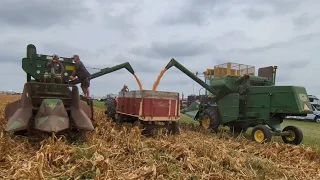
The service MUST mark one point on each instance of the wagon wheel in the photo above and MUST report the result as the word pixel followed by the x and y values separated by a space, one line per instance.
pixel 137 127
pixel 211 119
pixel 110 108
pixel 119 119
pixel 148 129
pixel 174 128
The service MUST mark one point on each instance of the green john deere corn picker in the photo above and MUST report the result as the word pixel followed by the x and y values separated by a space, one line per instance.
pixel 51 106
pixel 238 99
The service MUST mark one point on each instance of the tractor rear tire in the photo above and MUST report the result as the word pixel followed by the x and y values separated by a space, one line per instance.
pixel 295 138
pixel 261 134
pixel 211 119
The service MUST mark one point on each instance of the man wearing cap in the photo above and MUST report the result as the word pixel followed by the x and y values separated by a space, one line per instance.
pixel 125 88
pixel 83 76
pixel 57 67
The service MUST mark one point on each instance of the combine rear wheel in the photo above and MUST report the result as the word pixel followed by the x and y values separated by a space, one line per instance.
pixel 211 119
pixel 261 134
pixel 119 119
pixel 295 136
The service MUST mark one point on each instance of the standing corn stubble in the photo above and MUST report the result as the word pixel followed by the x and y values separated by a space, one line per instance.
pixel 83 76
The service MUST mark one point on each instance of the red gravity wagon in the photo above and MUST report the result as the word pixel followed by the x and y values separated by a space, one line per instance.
pixel 147 109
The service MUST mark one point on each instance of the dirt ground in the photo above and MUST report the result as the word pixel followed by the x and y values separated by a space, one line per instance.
pixel 112 152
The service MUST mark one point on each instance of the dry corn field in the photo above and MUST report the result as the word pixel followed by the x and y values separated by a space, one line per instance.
pixel 112 152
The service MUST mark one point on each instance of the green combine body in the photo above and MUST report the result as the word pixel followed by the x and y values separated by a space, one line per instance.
pixel 51 106
pixel 238 99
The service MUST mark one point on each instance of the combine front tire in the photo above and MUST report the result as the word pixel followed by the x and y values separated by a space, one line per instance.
pixel 261 134
pixel 295 136
pixel 211 119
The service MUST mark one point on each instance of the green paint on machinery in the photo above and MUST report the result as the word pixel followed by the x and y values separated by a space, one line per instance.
pixel 50 106
pixel 238 99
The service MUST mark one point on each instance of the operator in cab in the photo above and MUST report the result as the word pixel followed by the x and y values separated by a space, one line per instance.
pixel 83 76
pixel 125 88
pixel 57 67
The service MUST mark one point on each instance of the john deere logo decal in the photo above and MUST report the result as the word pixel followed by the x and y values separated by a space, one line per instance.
pixel 303 97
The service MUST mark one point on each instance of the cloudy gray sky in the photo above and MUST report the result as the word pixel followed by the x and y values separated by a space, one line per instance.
pixel 149 33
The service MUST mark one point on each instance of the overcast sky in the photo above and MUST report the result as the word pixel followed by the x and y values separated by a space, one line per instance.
pixel 197 33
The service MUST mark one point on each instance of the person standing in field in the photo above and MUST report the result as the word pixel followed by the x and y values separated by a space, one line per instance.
pixel 83 76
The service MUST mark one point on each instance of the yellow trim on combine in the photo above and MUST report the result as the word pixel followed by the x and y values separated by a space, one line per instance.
pixel 291 137
pixel 69 68
pixel 259 136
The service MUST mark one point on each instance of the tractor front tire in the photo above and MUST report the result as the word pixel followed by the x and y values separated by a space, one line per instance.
pixel 211 119
pixel 296 136
pixel 261 134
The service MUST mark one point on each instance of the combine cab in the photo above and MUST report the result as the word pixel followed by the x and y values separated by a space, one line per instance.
pixel 48 106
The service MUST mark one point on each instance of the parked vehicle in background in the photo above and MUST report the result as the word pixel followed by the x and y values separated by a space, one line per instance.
pixel 315 116
pixel 314 101
pixel 183 103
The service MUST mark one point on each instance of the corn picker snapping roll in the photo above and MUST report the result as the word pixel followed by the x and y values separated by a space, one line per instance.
pixel 49 106
pixel 238 99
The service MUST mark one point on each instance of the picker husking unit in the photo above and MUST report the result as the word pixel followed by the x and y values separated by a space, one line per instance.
pixel 49 106
pixel 238 99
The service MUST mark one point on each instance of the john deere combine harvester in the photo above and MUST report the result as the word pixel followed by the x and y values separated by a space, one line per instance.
pixel 239 99
pixel 51 107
